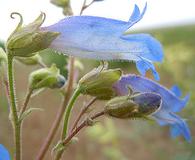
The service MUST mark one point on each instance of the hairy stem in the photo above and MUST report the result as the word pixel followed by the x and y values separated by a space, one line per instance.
pixel 83 111
pixel 13 114
pixel 60 113
pixel 68 112
pixel 84 6
pixel 82 125
pixel 27 99
pixel 5 82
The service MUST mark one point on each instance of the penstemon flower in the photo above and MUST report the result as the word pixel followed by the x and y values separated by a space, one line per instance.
pixel 106 39
pixel 4 154
pixel 171 102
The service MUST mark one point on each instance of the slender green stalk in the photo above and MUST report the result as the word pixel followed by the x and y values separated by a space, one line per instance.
pixel 14 115
pixel 27 99
pixel 68 112
pixel 66 119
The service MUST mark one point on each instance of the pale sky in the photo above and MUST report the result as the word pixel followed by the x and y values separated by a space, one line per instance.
pixel 160 13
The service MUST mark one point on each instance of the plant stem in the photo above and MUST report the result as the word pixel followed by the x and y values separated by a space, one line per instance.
pixel 82 125
pixel 66 118
pixel 5 82
pixel 60 113
pixel 68 112
pixel 14 115
pixel 83 111
pixel 28 95
pixel 84 6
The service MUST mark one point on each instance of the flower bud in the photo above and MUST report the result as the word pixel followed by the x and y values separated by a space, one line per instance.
pixel 99 83
pixel 25 41
pixel 34 60
pixel 65 4
pixel 46 78
pixel 136 106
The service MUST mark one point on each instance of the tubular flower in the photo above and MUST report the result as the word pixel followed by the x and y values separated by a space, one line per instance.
pixel 106 39
pixel 171 102
pixel 4 154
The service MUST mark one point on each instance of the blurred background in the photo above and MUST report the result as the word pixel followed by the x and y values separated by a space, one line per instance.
pixel 171 22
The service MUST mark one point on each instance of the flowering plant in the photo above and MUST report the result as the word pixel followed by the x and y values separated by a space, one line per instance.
pixel 127 96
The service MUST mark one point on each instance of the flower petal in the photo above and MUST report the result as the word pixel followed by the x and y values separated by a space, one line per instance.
pixel 136 15
pixel 176 90
pixel 4 154
pixel 143 66
pixel 170 103
pixel 144 46
pixel 177 125
pixel 103 39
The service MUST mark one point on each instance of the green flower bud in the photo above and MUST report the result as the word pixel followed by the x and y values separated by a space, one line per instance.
pixel 65 4
pixel 100 83
pixel 34 60
pixel 3 57
pixel 137 106
pixel 25 41
pixel 46 78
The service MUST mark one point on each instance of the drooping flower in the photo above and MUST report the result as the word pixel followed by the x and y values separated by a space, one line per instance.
pixel 106 39
pixel 4 154
pixel 171 102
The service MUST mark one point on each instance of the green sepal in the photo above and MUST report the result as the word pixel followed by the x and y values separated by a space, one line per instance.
pixel 99 83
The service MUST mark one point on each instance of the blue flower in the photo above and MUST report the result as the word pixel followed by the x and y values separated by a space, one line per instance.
pixel 4 154
pixel 171 102
pixel 106 39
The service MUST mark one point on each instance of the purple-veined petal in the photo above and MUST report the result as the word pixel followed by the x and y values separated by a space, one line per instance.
pixel 4 154
pixel 103 39
pixel 170 103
